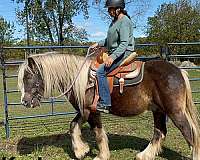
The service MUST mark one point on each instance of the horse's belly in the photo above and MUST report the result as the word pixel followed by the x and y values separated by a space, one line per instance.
pixel 131 102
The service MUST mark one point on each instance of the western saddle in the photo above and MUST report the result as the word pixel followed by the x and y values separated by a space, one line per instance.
pixel 129 69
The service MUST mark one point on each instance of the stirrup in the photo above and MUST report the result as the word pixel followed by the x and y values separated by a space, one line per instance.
pixel 102 108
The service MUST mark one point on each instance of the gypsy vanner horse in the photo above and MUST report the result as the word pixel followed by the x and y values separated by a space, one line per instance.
pixel 165 90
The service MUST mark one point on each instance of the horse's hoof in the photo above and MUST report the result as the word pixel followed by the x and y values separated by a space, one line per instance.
pixel 98 158
pixel 138 158
pixel 105 157
pixel 141 156
pixel 82 151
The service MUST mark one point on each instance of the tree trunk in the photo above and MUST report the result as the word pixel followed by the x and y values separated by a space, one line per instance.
pixel 55 25
pixel 44 16
pixel 60 19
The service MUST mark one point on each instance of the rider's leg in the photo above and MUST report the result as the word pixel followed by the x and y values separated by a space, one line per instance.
pixel 104 92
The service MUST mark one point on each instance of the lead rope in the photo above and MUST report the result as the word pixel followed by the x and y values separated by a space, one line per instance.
pixel 73 82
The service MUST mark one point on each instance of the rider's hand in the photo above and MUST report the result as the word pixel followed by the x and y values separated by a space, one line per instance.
pixel 108 62
pixel 95 45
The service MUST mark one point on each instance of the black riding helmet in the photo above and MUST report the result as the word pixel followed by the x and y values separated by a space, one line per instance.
pixel 115 3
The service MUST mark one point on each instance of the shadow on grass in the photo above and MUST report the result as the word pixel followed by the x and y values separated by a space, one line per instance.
pixel 27 145
pixel 116 142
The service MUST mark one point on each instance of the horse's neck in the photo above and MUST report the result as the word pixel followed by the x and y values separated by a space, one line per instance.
pixel 79 80
pixel 82 61
pixel 72 99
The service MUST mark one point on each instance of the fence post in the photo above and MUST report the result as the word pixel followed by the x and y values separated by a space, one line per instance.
pixel 6 121
pixel 167 52
pixel 164 52
pixel 52 106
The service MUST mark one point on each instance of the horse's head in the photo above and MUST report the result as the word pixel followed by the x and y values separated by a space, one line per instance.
pixel 30 84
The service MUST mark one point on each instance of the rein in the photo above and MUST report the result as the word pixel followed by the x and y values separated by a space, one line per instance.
pixel 73 82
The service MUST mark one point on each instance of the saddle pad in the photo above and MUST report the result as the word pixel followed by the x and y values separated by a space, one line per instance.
pixel 129 82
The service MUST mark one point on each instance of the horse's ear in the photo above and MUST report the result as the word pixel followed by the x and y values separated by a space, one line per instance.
pixel 31 63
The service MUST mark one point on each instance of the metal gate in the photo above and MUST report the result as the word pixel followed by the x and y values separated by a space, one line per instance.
pixel 163 52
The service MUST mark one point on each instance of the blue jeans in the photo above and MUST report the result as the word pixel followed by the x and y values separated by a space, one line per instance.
pixel 104 92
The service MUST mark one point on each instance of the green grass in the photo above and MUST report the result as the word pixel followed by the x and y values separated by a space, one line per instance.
pixel 49 137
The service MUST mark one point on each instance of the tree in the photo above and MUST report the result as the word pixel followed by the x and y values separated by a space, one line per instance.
pixel 6 31
pixel 174 22
pixel 52 19
pixel 136 9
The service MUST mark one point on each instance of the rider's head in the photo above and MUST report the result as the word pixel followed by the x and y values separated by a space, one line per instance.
pixel 115 7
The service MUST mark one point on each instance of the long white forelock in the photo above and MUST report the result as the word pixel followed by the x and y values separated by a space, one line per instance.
pixel 21 71
pixel 21 76
pixel 20 80
pixel 24 66
pixel 59 70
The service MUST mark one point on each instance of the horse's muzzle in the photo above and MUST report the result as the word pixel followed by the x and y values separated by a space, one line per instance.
pixel 35 102
pixel 31 104
pixel 26 104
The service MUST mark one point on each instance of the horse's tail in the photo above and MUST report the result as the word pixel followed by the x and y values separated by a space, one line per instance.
pixel 192 115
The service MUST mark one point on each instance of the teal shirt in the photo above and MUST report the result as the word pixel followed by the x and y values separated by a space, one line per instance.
pixel 119 37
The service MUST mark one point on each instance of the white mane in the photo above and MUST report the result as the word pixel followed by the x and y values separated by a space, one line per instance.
pixel 58 71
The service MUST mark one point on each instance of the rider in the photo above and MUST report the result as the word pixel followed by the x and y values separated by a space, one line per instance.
pixel 120 43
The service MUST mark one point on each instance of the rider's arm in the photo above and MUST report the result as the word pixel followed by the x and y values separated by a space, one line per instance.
pixel 124 36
